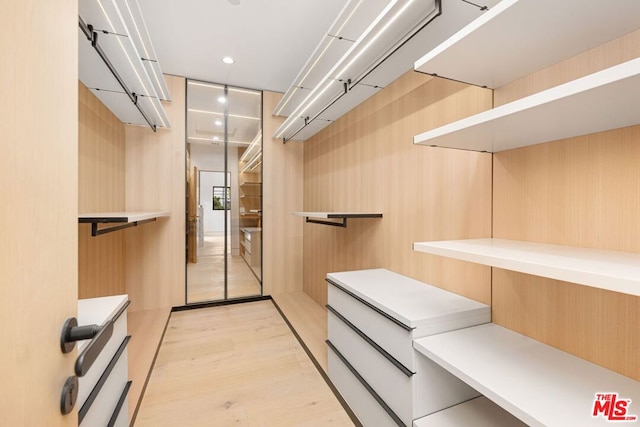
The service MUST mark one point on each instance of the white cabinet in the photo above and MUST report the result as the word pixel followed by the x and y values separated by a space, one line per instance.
pixel 102 394
pixel 374 316
pixel 537 383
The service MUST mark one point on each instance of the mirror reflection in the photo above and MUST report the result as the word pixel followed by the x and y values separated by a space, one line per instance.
pixel 224 192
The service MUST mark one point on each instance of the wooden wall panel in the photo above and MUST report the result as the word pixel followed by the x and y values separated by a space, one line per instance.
pixel 282 194
pixel 101 152
pixel 155 181
pixel 39 196
pixel 582 191
pixel 366 161
pixel 609 54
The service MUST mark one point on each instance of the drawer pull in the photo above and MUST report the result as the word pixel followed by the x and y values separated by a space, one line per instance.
pixel 371 306
pixel 372 343
pixel 366 385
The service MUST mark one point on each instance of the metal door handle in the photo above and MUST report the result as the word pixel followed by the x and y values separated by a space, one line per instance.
pixel 99 336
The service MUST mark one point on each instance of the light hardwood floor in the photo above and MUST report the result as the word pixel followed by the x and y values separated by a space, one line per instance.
pixel 205 279
pixel 236 365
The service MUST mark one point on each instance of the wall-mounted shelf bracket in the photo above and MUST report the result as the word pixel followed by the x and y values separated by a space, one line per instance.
pixel 335 224
pixel 319 217
pixel 95 231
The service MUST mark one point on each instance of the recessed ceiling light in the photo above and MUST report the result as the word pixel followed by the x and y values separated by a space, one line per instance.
pixel 215 138
pixel 218 122
pixel 228 60
pixel 221 99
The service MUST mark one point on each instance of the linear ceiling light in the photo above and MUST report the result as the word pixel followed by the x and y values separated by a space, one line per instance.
pixel 396 23
pixel 116 31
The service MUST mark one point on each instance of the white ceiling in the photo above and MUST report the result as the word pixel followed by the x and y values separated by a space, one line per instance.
pixel 270 40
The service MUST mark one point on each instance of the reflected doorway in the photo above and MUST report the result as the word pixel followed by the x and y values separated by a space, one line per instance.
pixel 224 192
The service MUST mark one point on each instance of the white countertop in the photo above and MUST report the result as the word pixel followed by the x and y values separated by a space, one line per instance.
pixel 410 301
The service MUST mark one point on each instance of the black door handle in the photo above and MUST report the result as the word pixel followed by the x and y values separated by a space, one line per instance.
pixel 99 336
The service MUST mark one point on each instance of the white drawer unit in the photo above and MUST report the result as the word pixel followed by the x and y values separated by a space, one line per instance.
pixel 102 394
pixel 374 316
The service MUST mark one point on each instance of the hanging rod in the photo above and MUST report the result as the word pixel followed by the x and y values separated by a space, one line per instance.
pixel 92 36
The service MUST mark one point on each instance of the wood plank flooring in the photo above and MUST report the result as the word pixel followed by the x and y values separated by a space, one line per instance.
pixel 236 365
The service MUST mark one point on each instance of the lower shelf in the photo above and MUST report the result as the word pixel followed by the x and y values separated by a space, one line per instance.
pixel 537 383
pixel 478 412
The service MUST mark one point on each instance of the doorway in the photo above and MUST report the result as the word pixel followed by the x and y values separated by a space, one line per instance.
pixel 224 197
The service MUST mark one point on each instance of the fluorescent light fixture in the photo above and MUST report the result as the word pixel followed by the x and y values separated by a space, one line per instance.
pixel 228 60
pixel 380 35
pixel 218 113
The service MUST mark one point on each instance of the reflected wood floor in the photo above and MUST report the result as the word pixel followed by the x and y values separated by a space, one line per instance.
pixel 205 279
pixel 236 365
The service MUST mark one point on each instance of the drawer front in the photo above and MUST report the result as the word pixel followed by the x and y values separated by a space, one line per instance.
pixel 392 383
pixel 103 401
pixel 90 379
pixel 363 404
pixel 393 338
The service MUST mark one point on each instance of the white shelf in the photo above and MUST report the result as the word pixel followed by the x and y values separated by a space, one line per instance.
pixel 478 412
pixel 411 302
pixel 96 311
pixel 107 217
pixel 125 219
pixel 327 215
pixel 598 102
pixel 539 384
pixel 540 33
pixel 610 270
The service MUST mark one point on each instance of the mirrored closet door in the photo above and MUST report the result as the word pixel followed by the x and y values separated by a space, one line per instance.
pixel 224 192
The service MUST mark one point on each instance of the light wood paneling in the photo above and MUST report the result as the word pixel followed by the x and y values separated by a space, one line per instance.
pixel 580 192
pixel 593 324
pixel 155 181
pixel 282 194
pixel 366 161
pixel 101 172
pixel 236 365
pixel 146 328
pixel 615 52
pixel 39 196
pixel 584 192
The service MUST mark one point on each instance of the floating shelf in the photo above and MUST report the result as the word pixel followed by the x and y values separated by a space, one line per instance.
pixel 478 412
pixel 248 183
pixel 311 217
pixel 609 270
pixel 598 102
pixel 540 33
pixel 126 219
pixel 540 385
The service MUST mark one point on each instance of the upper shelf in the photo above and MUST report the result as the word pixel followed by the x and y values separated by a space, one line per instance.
pixel 609 270
pixel 335 215
pixel 127 219
pixel 526 377
pixel 598 102
pixel 540 33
